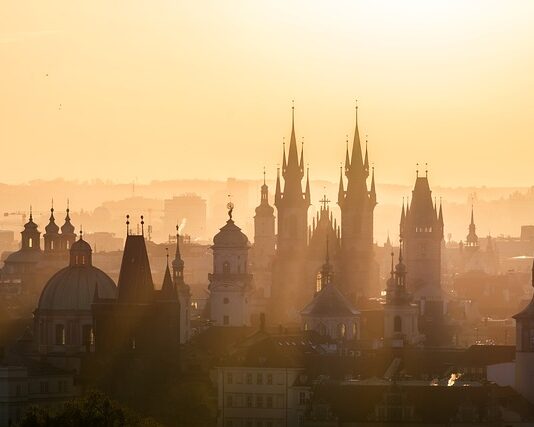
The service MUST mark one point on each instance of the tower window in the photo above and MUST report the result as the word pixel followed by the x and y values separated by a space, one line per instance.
pixel 226 301
pixel 226 267
pixel 341 329
pixel 397 324
pixel 30 242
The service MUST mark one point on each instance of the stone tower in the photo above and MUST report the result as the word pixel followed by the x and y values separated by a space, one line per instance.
pixel 357 203
pixel 292 214
pixel 230 283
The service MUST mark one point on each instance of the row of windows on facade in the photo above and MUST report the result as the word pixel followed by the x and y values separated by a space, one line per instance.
pixel 267 401
pixel 227 268
pixel 423 229
pixel 341 329
pixel 62 338
pixel 260 379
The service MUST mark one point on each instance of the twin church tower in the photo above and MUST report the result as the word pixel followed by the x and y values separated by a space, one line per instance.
pixel 287 263
pixel 300 248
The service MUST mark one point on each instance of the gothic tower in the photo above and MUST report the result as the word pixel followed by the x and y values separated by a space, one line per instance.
pixel 264 248
pixel 471 242
pixel 421 228
pixel 400 315
pixel 292 208
pixel 184 292
pixel 357 203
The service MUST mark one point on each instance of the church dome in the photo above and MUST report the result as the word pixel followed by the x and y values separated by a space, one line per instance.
pixel 73 287
pixel 230 236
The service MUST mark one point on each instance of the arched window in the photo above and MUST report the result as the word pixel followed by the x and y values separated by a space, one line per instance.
pixel 226 301
pixel 226 267
pixel 341 330
pixel 60 335
pixel 397 324
pixel 30 242
pixel 355 330
pixel 305 326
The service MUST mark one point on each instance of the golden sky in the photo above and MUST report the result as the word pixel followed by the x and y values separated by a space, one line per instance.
pixel 202 89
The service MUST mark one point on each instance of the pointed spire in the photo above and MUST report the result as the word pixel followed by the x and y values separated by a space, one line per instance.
pixel 392 268
pixel 356 161
pixel 302 155
pixel 278 191
pixel 307 192
pixel 284 160
pixel 31 213
pixel 373 187
pixel 167 288
pixel 341 190
pixel 347 158
pixel 366 161
pixel 177 263
pixel 292 155
pixel 472 215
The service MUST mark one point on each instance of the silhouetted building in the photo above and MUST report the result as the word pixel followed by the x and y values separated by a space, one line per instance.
pixel 184 292
pixel 357 203
pixel 230 283
pixel 524 365
pixel 292 239
pixel 263 252
pixel 400 315
pixel 141 320
pixel 63 320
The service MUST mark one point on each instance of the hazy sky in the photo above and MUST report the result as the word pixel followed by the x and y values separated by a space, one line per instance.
pixel 202 89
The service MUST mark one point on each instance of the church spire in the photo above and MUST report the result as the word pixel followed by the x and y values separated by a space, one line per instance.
pixel 293 166
pixel 278 191
pixel 373 187
pixel 307 196
pixel 347 158
pixel 356 160
pixel 177 262
pixel 341 190
pixel 366 161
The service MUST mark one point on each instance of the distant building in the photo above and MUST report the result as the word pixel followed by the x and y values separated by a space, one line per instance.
pixel 524 365
pixel 190 209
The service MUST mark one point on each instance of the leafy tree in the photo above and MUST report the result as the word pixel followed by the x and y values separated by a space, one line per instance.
pixel 92 410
